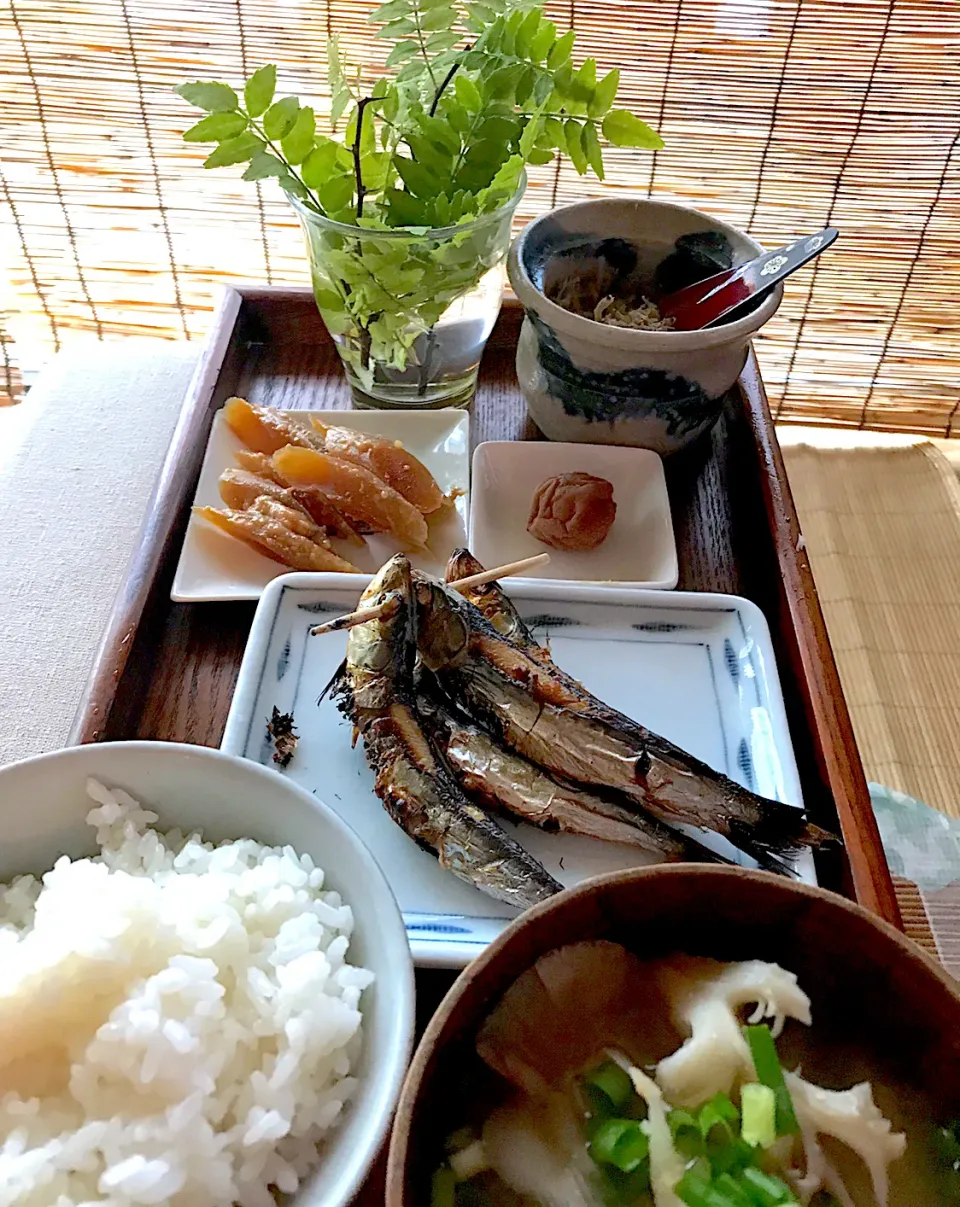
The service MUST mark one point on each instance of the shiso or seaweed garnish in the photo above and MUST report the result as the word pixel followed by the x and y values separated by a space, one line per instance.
pixel 281 732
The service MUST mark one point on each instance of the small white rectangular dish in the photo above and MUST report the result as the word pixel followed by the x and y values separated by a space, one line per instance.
pixel 697 668
pixel 215 566
pixel 640 549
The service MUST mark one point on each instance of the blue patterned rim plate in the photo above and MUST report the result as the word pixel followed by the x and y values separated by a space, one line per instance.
pixel 698 668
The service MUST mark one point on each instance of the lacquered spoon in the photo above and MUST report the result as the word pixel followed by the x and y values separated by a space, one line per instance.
pixel 706 301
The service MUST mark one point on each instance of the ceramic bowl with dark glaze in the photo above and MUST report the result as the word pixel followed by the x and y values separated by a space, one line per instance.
pixel 875 995
pixel 590 382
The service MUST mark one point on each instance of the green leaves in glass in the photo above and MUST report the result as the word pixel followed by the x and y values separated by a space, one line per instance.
pixel 235 150
pixel 209 95
pixel 513 90
pixel 474 90
pixel 339 89
pixel 298 141
pixel 264 165
pixel 621 128
pixel 216 127
pixel 279 118
pixel 604 93
pixel 259 90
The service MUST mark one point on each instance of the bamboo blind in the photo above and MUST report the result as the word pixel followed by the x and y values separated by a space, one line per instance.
pixel 779 115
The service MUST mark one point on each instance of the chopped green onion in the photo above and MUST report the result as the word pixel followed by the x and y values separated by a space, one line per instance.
pixel 948 1145
pixel 461 1138
pixel 766 1190
pixel 730 1158
pixel 697 1191
pixel 621 1143
pixel 443 1190
pixel 700 1168
pixel 769 1073
pixel 694 1190
pixel 719 1107
pixel 719 1124
pixel 624 1189
pixel 758 1109
pixel 685 1129
pixel 732 1187
pixel 719 1114
pixel 613 1083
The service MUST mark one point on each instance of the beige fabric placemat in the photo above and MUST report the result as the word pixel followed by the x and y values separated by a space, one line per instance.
pixel 78 460
pixel 882 529
pixel 881 524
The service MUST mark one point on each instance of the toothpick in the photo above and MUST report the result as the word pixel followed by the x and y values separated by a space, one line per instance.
pixel 389 606
pixel 489 576
pixel 361 616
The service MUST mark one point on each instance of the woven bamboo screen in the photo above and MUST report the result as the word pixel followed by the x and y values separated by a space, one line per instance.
pixel 779 115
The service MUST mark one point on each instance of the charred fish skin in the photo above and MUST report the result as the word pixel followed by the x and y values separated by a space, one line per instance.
pixel 511 784
pixel 419 795
pixel 554 721
pixel 492 602
pixel 429 806
pixel 498 609
pixel 749 822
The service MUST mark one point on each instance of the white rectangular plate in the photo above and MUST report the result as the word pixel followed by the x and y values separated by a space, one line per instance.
pixel 216 566
pixel 639 550
pixel 698 669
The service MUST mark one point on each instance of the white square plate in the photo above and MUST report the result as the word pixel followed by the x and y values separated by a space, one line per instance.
pixel 698 669
pixel 216 566
pixel 640 550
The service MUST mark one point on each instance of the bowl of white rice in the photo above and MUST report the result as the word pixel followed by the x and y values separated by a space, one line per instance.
pixel 206 992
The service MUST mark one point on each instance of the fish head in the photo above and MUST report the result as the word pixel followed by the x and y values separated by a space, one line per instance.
pixel 443 631
pixel 381 652
pixel 393 575
pixel 461 564
pixel 488 598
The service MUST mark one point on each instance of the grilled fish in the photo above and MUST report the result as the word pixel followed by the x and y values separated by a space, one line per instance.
pixel 492 601
pixel 510 784
pixel 498 608
pixel 552 720
pixel 375 690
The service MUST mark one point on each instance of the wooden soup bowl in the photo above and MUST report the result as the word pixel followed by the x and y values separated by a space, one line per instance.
pixel 872 989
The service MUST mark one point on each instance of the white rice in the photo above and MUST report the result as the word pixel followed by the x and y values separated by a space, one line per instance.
pixel 178 1021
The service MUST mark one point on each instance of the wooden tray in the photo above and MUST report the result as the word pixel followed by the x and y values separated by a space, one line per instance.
pixel 167 671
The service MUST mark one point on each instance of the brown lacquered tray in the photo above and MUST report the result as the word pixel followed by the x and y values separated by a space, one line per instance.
pixel 167 671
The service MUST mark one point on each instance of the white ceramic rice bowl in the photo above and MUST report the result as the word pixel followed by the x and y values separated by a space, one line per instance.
pixel 43 804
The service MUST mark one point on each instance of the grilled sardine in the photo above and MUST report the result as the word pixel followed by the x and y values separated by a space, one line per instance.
pixel 552 720
pixel 374 689
pixel 510 784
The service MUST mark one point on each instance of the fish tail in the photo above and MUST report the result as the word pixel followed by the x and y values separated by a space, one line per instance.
pixel 781 832
pixel 336 686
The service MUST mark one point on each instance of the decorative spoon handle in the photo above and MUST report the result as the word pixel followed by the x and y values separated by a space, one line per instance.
pixel 703 303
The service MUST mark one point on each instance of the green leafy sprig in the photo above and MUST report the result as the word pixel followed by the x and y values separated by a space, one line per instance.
pixel 477 91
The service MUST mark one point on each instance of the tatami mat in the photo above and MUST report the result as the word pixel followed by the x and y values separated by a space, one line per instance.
pixel 881 522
